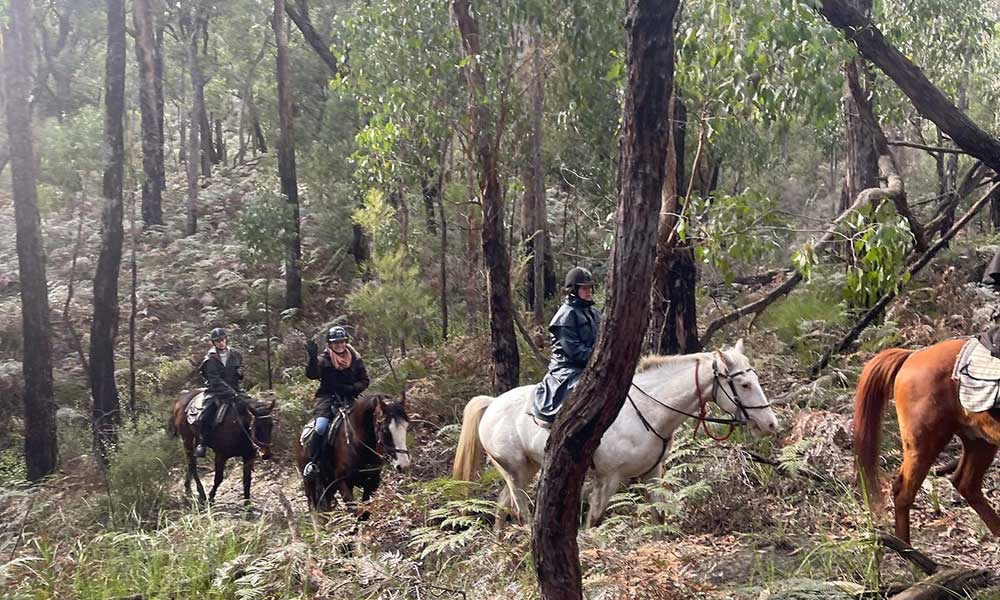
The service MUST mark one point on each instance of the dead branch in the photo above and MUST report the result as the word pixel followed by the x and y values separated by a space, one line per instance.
pixel 321 585
pixel 931 149
pixel 923 562
pixel 531 344
pixel 914 268
pixel 949 584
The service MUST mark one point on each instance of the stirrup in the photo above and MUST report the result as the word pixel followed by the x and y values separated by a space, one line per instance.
pixel 200 451
pixel 310 471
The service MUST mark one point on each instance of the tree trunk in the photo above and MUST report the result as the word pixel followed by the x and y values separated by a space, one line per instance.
pixel 220 143
pixel 538 233
pixel 160 110
pixel 133 309
pixel 200 117
pixel 317 43
pixel 443 259
pixel 928 99
pixel 104 327
pixel 862 160
pixel 154 180
pixel 260 142
pixel 506 361
pixel 193 144
pixel 674 320
pixel 286 160
pixel 40 443
pixel 592 407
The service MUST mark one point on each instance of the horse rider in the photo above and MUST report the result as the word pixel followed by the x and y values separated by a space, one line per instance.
pixel 342 377
pixel 222 370
pixel 574 330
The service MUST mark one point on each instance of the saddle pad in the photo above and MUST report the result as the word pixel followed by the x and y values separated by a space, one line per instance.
pixel 195 407
pixel 978 376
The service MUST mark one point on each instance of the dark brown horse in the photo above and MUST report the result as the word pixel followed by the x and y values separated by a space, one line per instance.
pixel 243 433
pixel 374 431
pixel 929 414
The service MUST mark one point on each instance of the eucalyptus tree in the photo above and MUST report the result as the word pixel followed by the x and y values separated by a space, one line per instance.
pixel 104 327
pixel 40 442
pixel 599 396
pixel 150 106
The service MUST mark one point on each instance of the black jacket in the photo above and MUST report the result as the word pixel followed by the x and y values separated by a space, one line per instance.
pixel 347 384
pixel 574 331
pixel 223 381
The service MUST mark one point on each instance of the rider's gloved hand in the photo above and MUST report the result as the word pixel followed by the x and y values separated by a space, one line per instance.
pixel 312 349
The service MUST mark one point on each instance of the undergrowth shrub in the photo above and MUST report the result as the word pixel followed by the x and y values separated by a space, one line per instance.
pixel 139 472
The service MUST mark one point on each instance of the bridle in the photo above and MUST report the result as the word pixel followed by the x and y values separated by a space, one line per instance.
pixel 385 445
pixel 251 433
pixel 702 417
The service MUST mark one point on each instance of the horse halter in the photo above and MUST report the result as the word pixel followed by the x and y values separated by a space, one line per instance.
pixel 251 432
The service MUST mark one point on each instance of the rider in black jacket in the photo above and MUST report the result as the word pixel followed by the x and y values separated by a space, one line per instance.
pixel 342 377
pixel 574 331
pixel 222 370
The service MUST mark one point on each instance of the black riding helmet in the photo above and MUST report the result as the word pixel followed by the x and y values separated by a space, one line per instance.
pixel 336 334
pixel 217 334
pixel 578 276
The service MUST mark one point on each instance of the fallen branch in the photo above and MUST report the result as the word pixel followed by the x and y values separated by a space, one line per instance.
pixel 931 149
pixel 923 562
pixel 875 311
pixel 531 344
pixel 952 583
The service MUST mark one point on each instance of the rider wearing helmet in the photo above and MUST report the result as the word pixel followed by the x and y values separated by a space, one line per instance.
pixel 574 331
pixel 222 370
pixel 342 377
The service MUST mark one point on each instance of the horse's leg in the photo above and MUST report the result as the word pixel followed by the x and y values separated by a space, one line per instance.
pixel 503 510
pixel 220 472
pixel 920 449
pixel 247 475
pixel 600 496
pixel 977 456
pixel 192 471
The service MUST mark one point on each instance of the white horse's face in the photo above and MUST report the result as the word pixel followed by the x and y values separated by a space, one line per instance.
pixel 740 394
pixel 401 458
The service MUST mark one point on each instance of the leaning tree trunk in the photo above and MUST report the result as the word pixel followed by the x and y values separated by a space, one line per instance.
pixel 506 361
pixel 104 328
pixel 286 161
pixel 40 443
pixel 599 396
pixel 152 140
pixel 929 101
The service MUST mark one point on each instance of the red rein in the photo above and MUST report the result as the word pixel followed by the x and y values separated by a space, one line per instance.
pixel 703 411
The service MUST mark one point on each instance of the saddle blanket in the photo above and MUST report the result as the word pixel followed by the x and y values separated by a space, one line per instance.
pixel 978 376
pixel 197 406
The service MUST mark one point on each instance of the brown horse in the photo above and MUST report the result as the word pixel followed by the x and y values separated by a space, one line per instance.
pixel 243 433
pixel 929 414
pixel 374 430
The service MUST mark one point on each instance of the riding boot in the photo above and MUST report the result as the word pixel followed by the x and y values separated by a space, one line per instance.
pixel 200 451
pixel 315 451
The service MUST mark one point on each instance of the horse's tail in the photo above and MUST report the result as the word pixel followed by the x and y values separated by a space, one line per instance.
pixel 874 390
pixel 172 426
pixel 470 452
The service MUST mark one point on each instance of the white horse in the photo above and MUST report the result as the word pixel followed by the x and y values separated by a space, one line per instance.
pixel 665 391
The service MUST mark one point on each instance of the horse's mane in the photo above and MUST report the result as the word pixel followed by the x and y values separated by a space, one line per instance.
pixel 655 361
pixel 393 407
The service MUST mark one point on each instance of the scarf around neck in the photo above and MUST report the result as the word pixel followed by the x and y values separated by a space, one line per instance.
pixel 340 361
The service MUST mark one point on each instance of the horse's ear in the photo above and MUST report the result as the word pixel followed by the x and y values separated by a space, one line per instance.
pixel 739 346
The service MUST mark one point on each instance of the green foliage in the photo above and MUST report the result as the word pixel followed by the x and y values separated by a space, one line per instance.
pixel 264 228
pixel 70 156
pixel 396 305
pixel 806 320
pixel 139 491
pixel 735 230
pixel 881 240
pixel 12 467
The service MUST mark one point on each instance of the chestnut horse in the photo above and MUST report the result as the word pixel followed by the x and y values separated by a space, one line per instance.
pixel 929 414
pixel 373 432
pixel 243 433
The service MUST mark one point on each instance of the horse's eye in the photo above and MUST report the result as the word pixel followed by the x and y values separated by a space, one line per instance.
pixel 745 386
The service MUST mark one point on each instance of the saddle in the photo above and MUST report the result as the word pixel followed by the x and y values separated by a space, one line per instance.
pixel 977 370
pixel 196 407
pixel 339 417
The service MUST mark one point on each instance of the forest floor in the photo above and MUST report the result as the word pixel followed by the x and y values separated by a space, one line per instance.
pixel 737 527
